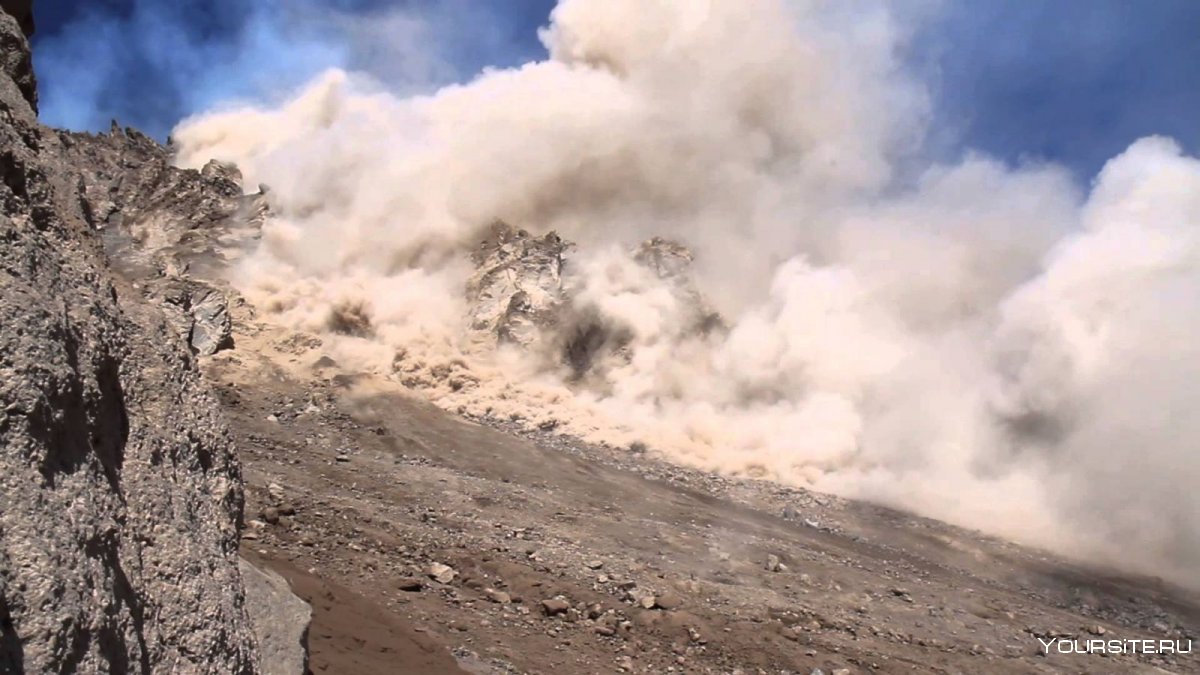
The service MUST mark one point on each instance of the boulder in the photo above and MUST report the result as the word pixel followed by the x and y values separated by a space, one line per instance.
pixel 280 621
pixel 516 291
pixel 198 311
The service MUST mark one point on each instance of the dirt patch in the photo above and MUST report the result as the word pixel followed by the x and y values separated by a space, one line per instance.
pixel 538 554
pixel 352 634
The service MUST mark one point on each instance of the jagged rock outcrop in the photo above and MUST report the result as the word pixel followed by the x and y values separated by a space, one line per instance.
pixel 516 290
pixel 120 490
pixel 22 11
pixel 521 294
pixel 172 216
pixel 160 222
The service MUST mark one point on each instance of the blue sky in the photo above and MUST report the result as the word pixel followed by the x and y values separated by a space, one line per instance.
pixel 1070 81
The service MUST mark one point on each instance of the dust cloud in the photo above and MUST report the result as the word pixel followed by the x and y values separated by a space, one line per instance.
pixel 986 344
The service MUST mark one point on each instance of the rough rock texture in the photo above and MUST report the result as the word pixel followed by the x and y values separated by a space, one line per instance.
pixel 160 221
pixel 517 288
pixel 521 294
pixel 174 216
pixel 198 311
pixel 280 621
pixel 120 491
pixel 22 11
pixel 15 59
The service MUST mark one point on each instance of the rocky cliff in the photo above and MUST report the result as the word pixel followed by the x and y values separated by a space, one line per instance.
pixel 120 493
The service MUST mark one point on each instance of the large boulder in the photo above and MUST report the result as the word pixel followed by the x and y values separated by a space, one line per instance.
pixel 280 621
pixel 516 291
pixel 120 489
pixel 198 311
pixel 671 262
pixel 522 293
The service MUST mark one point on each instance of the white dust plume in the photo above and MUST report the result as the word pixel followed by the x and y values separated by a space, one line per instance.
pixel 981 343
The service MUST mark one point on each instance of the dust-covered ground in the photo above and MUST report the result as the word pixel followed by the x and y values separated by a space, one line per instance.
pixel 429 543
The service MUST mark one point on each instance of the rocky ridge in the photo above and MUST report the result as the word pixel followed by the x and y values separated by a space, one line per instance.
pixel 120 485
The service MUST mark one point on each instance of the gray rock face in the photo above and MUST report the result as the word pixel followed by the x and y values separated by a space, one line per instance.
pixel 516 290
pixel 160 222
pixel 280 621
pixel 198 311
pixel 120 493
pixel 130 185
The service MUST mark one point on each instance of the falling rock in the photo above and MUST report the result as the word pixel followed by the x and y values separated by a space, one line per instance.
pixel 279 619
pixel 671 262
pixel 516 289
pixel 224 171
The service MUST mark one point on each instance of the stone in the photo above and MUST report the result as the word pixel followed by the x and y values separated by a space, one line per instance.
pixel 516 290
pixel 555 606
pixel 443 574
pixel 280 621
pixel 499 597
pixel 772 564
pixel 212 329
pixel 668 601
pixel 199 312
